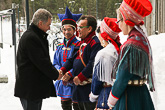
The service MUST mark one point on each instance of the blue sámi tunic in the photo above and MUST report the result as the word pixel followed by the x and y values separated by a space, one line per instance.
pixel 64 51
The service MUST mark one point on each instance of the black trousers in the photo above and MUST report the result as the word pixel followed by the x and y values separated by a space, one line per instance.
pixel 86 105
pixel 67 105
pixel 31 104
pixel 75 106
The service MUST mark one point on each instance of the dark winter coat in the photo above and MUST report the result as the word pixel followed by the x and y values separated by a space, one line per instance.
pixel 35 73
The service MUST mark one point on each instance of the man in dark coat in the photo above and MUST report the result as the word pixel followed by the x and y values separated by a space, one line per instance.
pixel 35 73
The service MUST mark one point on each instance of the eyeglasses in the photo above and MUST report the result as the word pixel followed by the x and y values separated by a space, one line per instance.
pixel 119 20
pixel 80 27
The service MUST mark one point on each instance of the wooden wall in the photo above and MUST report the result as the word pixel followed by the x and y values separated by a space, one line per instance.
pixel 155 22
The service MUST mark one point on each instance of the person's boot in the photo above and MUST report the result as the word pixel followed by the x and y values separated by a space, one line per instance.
pixel 66 105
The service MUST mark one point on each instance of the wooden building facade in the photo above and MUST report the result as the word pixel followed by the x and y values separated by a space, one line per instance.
pixel 155 22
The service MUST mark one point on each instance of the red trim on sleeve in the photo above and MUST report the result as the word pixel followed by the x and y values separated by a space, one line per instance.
pixel 70 74
pixel 81 77
pixel 63 69
pixel 114 96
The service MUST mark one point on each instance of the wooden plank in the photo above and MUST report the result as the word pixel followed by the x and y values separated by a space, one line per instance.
pixel 159 16
pixel 163 16
pixel 156 16
pixel 153 20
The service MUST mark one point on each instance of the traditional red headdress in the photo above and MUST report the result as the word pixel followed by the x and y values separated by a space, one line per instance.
pixel 110 30
pixel 133 11
pixel 109 26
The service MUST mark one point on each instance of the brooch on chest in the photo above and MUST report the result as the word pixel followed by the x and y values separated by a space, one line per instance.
pixel 64 48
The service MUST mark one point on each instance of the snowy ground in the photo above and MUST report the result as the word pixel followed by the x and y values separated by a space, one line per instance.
pixel 9 102
pixel 7 99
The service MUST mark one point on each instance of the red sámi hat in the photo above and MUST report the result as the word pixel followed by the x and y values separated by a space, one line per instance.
pixel 109 26
pixel 134 11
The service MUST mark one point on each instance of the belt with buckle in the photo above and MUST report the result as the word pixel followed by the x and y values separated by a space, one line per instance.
pixel 106 85
pixel 136 82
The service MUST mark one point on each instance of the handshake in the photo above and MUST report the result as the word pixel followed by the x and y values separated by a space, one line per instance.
pixel 60 74
pixel 66 77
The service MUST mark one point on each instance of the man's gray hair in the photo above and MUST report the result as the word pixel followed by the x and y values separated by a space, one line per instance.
pixel 41 15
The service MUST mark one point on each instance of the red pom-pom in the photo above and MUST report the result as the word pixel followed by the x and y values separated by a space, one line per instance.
pixel 130 23
pixel 141 23
pixel 105 36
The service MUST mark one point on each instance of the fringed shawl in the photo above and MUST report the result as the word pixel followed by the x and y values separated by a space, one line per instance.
pixel 104 62
pixel 138 52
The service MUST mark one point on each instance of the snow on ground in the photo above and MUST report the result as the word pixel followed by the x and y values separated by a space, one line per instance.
pixel 9 102
pixel 7 99
pixel 158 47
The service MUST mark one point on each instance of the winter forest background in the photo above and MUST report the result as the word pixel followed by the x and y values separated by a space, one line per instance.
pixel 87 7
pixel 155 22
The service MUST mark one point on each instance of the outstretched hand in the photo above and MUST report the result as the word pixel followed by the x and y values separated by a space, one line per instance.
pixel 60 74
pixel 66 77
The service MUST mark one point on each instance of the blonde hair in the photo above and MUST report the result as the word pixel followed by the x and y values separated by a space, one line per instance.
pixel 119 13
